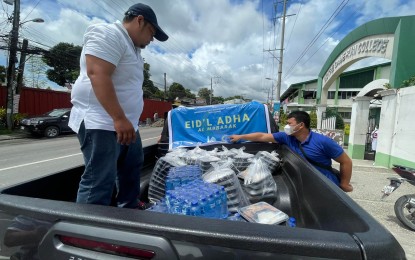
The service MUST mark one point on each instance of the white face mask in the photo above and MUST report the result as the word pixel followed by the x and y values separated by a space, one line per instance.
pixel 289 130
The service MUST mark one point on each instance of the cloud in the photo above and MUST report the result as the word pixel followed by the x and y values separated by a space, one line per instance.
pixel 233 40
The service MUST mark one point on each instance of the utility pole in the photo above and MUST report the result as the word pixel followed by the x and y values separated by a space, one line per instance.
pixel 165 87
pixel 281 52
pixel 211 88
pixel 22 63
pixel 14 35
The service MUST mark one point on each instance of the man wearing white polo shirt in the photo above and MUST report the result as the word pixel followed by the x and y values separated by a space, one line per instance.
pixel 107 103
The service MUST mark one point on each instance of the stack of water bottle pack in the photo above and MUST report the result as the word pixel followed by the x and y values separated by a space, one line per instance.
pixel 187 194
pixel 156 189
pixel 198 198
pixel 205 183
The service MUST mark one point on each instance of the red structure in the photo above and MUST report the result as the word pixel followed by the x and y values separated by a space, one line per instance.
pixel 34 101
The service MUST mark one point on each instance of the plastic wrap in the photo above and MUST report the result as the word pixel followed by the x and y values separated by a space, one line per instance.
pixel 263 213
pixel 241 159
pixel 272 160
pixel 223 175
pixel 156 189
pixel 258 182
pixel 192 156
pixel 225 153
pixel 205 162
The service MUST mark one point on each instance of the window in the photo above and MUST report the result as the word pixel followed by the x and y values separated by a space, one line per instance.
pixel 331 94
pixel 346 115
pixel 358 80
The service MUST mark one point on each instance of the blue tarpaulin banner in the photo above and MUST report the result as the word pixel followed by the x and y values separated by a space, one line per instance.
pixel 191 126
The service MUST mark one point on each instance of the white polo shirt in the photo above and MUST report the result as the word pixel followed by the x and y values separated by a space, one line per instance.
pixel 111 43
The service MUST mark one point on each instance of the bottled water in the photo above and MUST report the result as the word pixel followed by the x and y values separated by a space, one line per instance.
pixel 204 208
pixel 195 197
pixel 224 202
pixel 195 209
pixel 291 222
pixel 235 217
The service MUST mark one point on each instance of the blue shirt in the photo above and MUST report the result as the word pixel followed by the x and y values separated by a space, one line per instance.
pixel 317 147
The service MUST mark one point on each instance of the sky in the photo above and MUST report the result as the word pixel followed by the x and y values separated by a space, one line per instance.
pixel 231 46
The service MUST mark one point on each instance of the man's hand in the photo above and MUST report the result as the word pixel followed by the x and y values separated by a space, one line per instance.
pixel 125 131
pixel 234 138
pixel 346 187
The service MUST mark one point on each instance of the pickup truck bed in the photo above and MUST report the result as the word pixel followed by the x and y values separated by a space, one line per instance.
pixel 329 223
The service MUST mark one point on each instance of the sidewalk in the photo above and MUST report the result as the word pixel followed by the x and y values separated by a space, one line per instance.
pixel 16 134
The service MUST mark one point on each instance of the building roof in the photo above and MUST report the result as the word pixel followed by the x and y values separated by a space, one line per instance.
pixel 294 87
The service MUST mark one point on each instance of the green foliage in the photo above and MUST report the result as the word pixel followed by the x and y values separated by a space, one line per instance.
pixel 2 73
pixel 313 119
pixel 283 117
pixel 205 93
pixel 346 129
pixel 409 82
pixel 2 113
pixel 63 59
pixel 339 122
pixel 176 90
pixel 18 117
pixel 149 90
pixel 234 97
pixel 330 112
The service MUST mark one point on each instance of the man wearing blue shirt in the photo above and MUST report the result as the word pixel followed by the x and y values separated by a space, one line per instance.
pixel 318 149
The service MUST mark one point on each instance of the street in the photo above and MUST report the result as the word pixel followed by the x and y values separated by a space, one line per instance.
pixel 368 182
pixel 28 158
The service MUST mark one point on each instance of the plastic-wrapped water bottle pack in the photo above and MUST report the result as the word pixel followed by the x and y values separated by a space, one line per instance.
pixel 198 198
pixel 189 182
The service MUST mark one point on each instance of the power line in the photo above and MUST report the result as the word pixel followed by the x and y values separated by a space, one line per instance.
pixel 323 28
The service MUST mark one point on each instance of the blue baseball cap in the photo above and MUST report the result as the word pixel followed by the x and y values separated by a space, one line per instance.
pixel 150 16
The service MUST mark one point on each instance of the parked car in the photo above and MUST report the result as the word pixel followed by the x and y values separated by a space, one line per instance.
pixel 50 124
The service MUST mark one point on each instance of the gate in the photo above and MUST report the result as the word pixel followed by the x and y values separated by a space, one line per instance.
pixel 373 121
pixel 328 120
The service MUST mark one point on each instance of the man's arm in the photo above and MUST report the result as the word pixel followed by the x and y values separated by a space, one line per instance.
pixel 346 165
pixel 254 137
pixel 99 72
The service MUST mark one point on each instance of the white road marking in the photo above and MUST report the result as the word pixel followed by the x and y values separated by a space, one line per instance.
pixel 48 160
pixel 53 159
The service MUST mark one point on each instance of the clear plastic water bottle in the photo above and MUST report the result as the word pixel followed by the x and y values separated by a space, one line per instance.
pixel 218 202
pixel 195 208
pixel 203 207
pixel 224 202
pixel 291 222
pixel 235 217
pixel 211 206
pixel 169 184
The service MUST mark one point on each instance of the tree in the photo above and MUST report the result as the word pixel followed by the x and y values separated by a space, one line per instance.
pixel 205 93
pixel 63 59
pixel 149 90
pixel 330 112
pixel 313 119
pixel 176 90
pixel 2 73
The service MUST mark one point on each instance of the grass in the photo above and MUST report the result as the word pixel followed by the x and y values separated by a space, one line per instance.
pixel 5 131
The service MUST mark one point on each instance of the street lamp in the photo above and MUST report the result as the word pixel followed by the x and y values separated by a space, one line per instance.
pixel 35 20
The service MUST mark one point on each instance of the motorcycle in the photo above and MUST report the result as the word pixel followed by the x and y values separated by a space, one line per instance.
pixel 405 205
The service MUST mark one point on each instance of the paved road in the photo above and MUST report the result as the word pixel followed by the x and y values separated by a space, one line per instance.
pixel 368 182
pixel 27 158
pixel 23 159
